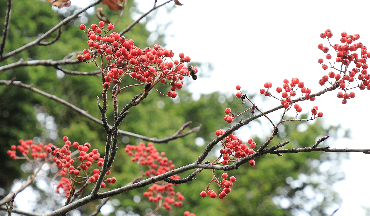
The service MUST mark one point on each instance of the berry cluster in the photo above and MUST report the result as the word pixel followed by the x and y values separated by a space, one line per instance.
pixel 157 164
pixel 343 76
pixel 24 147
pixel 233 149
pixel 62 157
pixel 124 58
pixel 288 91
pixel 65 184
pixel 187 213
pixel 224 186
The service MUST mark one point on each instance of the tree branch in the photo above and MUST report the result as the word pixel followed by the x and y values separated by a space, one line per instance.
pixel 37 41
pixel 21 212
pixel 6 26
pixel 141 17
pixel 43 62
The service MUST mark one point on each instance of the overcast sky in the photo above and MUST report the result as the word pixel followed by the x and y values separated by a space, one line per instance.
pixel 252 42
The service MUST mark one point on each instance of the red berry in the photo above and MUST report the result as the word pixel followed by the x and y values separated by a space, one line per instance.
pixel 238 95
pixel 110 26
pixel 252 162
pixel 102 185
pixel 213 195
pixel 82 27
pixel 101 24
pixel 203 194
pixel 238 87
pixel 232 179
pixel 224 175
pixel 227 110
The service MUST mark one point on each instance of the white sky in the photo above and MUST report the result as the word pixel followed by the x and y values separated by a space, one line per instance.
pixel 252 42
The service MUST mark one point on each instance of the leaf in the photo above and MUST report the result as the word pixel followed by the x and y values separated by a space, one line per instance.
pixel 177 2
pixel 115 5
pixel 60 3
pixel 101 16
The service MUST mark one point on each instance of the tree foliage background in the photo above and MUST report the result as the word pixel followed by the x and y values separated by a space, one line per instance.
pixel 259 190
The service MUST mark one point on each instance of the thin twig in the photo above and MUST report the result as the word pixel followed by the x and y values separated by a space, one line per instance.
pixel 21 212
pixel 44 62
pixel 141 17
pixel 66 71
pixel 6 26
pixel 42 37
pixel 98 207
pixel 54 40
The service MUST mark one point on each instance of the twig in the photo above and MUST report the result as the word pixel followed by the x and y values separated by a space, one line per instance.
pixel 21 212
pixel 42 37
pixel 322 139
pixel 98 207
pixel 6 26
pixel 66 71
pixel 141 17
pixel 44 62
pixel 54 40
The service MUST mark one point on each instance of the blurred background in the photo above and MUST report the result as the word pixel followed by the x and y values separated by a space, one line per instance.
pixel 243 43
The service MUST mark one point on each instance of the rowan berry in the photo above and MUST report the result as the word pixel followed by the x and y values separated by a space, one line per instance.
pixel 252 162
pixel 101 24
pixel 213 195
pixel 238 95
pixel 102 185
pixel 238 87
pixel 110 26
pixel 320 114
pixel 203 194
pixel 227 110
pixel 82 27
pixel 224 175
pixel 232 179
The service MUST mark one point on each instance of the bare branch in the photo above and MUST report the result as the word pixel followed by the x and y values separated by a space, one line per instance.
pixel 98 207
pixel 42 37
pixel 21 212
pixel 43 62
pixel 141 17
pixel 54 40
pixel 6 26
pixel 66 71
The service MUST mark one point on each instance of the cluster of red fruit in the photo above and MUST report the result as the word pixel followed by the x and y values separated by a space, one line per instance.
pixel 233 149
pixel 157 164
pixel 225 184
pixel 124 58
pixel 65 184
pixel 63 160
pixel 288 91
pixel 24 147
pixel 346 53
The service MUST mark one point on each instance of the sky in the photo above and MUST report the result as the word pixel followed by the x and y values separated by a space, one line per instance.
pixel 253 42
